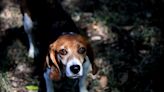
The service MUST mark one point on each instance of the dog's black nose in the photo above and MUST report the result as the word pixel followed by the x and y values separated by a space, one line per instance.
pixel 75 68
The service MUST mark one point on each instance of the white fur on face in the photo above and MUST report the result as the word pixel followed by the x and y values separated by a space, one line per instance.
pixel 69 73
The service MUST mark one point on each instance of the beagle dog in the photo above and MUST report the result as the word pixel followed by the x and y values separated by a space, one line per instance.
pixel 56 42
pixel 71 56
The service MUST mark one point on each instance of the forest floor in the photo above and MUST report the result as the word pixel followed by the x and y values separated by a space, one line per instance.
pixel 127 48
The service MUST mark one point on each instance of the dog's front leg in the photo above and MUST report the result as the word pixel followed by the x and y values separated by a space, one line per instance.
pixel 82 82
pixel 28 26
pixel 48 81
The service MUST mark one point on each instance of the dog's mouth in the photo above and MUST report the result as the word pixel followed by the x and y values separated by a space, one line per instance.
pixel 75 76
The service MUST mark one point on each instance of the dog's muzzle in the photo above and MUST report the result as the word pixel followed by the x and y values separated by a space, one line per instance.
pixel 74 69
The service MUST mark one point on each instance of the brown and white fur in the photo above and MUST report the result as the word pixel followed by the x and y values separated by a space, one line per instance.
pixel 74 53
pixel 55 41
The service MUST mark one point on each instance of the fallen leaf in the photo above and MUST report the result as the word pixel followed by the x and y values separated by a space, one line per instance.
pixel 103 81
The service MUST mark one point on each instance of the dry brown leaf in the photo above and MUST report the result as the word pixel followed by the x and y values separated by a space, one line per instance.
pixel 103 81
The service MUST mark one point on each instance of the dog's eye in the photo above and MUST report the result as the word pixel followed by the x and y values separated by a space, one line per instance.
pixel 63 52
pixel 82 50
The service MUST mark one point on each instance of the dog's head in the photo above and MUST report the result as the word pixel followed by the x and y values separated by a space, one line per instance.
pixel 69 52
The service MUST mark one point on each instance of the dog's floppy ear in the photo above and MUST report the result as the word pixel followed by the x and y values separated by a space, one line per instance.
pixel 51 61
pixel 90 54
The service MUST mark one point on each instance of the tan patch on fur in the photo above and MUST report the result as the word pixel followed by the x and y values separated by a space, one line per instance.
pixel 71 43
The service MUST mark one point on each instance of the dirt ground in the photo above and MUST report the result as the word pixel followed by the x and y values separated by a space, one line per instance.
pixel 127 45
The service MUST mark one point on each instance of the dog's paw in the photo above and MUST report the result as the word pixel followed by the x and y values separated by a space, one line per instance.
pixel 32 52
